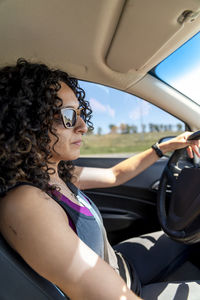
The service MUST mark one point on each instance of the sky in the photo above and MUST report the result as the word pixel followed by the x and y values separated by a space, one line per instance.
pixel 110 106
pixel 182 69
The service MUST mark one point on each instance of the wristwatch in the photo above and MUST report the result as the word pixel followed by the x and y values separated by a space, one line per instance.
pixel 157 149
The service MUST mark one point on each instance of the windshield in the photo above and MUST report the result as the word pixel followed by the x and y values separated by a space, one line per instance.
pixel 181 69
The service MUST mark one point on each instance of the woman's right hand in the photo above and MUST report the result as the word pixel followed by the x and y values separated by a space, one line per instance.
pixel 181 141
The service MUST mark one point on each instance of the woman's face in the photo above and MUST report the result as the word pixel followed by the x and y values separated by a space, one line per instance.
pixel 70 139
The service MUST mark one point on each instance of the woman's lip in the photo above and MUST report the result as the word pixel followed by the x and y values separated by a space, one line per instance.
pixel 78 142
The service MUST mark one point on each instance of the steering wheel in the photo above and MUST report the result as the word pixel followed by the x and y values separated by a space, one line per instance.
pixel 178 203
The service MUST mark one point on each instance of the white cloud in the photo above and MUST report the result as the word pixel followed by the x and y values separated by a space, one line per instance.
pixel 140 110
pixel 96 105
pixel 99 107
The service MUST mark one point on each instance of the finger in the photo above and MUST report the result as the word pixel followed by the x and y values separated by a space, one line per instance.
pixel 190 152
pixel 194 143
pixel 196 150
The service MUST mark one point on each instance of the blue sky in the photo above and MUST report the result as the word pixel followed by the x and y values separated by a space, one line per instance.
pixel 182 69
pixel 110 106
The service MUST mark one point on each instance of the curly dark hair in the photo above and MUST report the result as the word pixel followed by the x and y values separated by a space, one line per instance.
pixel 28 105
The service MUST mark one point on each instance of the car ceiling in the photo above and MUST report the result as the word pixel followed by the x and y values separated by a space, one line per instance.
pixel 113 42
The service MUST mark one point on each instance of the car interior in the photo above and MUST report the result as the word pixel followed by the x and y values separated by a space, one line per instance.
pixel 117 44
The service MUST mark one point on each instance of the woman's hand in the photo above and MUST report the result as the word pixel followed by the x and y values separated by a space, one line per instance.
pixel 181 141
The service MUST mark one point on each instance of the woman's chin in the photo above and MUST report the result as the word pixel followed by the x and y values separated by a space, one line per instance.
pixel 75 155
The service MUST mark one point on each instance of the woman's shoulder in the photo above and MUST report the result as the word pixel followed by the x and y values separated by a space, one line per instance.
pixel 23 194
pixel 26 203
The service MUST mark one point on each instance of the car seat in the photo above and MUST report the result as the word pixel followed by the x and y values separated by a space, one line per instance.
pixel 20 282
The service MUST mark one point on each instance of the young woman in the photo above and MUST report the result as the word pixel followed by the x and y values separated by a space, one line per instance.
pixel 43 214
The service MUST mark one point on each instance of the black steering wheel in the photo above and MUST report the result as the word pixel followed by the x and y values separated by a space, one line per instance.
pixel 178 203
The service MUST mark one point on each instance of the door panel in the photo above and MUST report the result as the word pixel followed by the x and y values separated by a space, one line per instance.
pixel 130 209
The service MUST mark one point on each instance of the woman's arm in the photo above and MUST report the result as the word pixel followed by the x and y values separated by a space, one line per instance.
pixel 87 178
pixel 37 228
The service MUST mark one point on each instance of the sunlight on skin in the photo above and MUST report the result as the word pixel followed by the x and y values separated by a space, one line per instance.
pixel 89 258
pixel 86 257
pixel 101 175
pixel 124 290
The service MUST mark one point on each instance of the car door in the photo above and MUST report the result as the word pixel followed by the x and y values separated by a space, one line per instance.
pixel 129 209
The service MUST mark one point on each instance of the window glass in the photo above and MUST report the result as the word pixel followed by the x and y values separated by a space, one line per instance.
pixel 124 123
pixel 181 69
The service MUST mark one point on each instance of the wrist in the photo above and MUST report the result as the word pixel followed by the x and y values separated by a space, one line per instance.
pixel 166 147
pixel 157 149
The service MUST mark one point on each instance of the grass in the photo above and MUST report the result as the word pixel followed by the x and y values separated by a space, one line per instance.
pixel 121 143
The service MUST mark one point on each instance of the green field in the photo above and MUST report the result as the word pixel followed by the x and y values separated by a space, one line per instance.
pixel 121 143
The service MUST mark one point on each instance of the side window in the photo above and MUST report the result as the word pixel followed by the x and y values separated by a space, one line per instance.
pixel 124 123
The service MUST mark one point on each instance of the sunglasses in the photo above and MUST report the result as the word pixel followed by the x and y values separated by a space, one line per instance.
pixel 70 115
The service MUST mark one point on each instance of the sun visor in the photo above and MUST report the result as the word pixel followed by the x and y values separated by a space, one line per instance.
pixel 145 29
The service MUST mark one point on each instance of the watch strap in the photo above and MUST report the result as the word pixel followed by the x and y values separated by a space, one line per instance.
pixel 156 148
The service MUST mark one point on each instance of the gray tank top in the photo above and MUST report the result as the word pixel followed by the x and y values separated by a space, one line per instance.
pixel 86 227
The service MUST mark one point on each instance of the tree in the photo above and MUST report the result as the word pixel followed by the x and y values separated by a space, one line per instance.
pixel 90 131
pixel 170 127
pixel 128 128
pixel 156 127
pixel 99 131
pixel 113 128
pixel 125 128
pixel 179 127
pixel 122 128
pixel 161 127
pixel 133 129
pixel 143 128
pixel 151 127
pixel 165 127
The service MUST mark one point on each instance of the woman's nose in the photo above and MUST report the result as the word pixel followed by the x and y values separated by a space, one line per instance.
pixel 81 126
